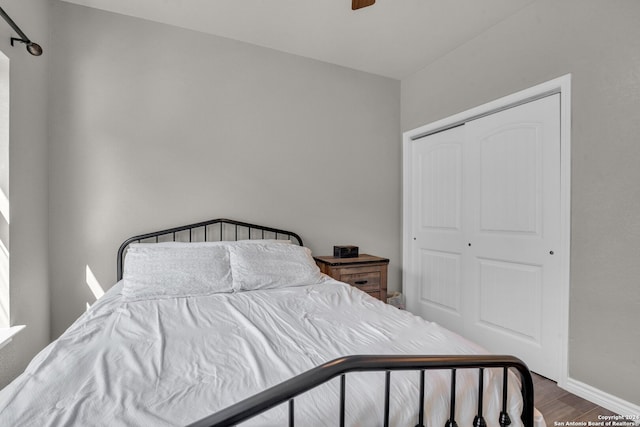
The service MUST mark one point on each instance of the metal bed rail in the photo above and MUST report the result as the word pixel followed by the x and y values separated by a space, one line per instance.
pixel 288 390
pixel 220 229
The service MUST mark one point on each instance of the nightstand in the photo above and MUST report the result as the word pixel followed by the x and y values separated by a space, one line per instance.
pixel 366 272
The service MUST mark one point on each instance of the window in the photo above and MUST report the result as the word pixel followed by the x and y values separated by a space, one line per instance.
pixel 4 192
pixel 6 331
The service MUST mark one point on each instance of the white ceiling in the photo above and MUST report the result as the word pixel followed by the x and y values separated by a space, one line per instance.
pixel 392 38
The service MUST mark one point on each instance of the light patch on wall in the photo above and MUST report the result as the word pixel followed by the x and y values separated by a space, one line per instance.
pixel 4 286
pixel 93 284
pixel 4 206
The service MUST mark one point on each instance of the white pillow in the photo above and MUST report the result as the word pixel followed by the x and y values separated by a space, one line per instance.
pixel 258 241
pixel 267 266
pixel 175 270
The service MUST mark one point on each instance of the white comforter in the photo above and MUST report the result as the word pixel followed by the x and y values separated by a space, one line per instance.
pixel 169 362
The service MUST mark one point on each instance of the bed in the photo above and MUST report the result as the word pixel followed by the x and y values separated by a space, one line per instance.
pixel 224 322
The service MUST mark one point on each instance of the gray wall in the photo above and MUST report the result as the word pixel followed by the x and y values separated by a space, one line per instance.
pixel 155 126
pixel 599 43
pixel 28 185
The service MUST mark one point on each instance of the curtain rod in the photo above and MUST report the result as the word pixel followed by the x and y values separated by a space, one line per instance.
pixel 33 48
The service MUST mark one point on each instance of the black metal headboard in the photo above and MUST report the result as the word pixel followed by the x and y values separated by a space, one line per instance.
pixel 214 230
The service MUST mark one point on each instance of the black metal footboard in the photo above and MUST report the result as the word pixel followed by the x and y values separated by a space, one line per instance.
pixel 288 390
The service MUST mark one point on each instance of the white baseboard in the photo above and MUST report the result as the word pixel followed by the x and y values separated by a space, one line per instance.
pixel 601 398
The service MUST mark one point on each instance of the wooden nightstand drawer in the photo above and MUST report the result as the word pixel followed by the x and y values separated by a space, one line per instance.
pixel 368 282
pixel 365 272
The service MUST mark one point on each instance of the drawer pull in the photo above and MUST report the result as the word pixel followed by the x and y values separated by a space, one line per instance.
pixel 361 282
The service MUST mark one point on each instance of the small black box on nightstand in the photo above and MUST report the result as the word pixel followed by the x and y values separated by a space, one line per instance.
pixel 345 251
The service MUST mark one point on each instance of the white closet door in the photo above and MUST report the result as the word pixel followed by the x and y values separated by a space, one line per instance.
pixel 486 226
pixel 514 231
pixel 438 235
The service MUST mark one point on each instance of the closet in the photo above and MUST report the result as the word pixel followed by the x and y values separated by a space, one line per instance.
pixel 484 232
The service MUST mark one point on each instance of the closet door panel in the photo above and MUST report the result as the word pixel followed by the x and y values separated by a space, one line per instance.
pixel 437 165
pixel 513 228
pixel 511 179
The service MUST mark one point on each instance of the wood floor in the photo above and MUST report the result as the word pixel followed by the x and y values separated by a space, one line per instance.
pixel 559 406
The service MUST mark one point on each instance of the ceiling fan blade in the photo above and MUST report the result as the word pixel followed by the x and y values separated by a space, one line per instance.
pixel 357 4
